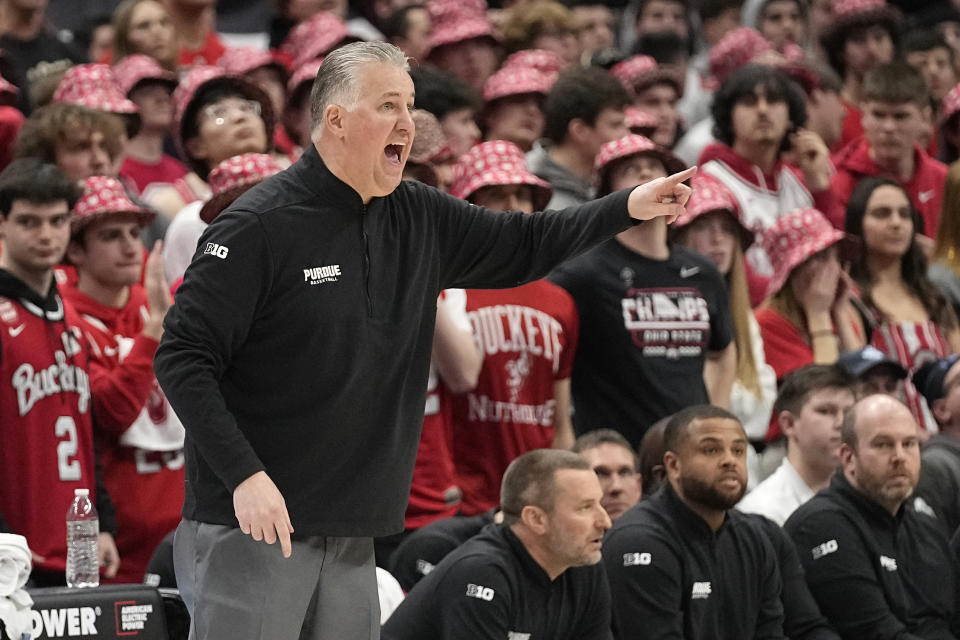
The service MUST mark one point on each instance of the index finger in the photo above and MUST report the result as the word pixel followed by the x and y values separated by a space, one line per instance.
pixel 686 174
pixel 283 534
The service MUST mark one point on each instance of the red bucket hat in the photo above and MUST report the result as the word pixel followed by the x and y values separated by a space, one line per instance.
pixel 515 81
pixel 734 50
pixel 93 86
pixel 202 77
pixel 639 121
pixel 307 72
pixel 137 68
pixel 850 14
pixel 240 60
pixel 795 237
pixel 496 162
pixel 232 177
pixel 542 60
pixel 104 196
pixel 630 145
pixel 456 21
pixel 314 38
pixel 639 72
pixel 709 195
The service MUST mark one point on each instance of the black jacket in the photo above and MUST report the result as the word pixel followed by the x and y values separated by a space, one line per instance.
pixel 671 576
pixel 939 484
pixel 491 588
pixel 873 574
pixel 300 339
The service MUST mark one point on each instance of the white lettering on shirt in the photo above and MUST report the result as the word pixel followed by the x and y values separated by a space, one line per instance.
pixel 319 275
pixel 480 592
pixel 824 549
pixel 637 559
pixel 701 591
pixel 890 564
pixel 512 328
pixel 33 386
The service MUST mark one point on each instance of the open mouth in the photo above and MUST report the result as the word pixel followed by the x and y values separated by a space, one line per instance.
pixel 393 153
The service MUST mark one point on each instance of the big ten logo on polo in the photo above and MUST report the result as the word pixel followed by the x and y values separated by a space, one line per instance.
pixel 824 549
pixel 668 323
pixel 480 592
pixel 319 275
pixel 68 622
pixel 132 617
pixel 216 250
pixel 637 559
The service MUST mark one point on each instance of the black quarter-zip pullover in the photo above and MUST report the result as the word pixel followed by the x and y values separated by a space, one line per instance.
pixel 300 340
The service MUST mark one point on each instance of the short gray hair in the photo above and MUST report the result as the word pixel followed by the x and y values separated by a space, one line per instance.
pixel 336 79
pixel 531 480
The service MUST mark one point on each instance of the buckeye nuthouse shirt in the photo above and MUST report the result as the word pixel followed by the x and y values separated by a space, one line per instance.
pixel 491 588
pixel 300 339
pixel 876 575
pixel 671 576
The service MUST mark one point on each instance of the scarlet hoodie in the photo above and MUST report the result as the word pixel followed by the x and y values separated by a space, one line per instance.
pixel 140 438
pixel 854 163
pixel 762 198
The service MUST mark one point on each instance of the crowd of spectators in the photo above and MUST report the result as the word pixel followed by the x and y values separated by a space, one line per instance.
pixel 766 388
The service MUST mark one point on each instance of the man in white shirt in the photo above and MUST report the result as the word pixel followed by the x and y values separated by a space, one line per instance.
pixel 810 410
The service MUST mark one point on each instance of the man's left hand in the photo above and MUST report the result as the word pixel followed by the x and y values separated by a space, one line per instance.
pixel 108 555
pixel 661 197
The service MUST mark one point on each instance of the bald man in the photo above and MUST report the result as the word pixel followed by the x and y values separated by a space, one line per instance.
pixel 877 568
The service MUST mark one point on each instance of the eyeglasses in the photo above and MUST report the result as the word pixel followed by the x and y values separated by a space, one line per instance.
pixel 220 111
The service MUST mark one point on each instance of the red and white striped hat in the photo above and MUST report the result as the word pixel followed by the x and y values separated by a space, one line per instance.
pixel 314 37
pixel 232 177
pixel 496 162
pixel 514 81
pixel 93 86
pixel 632 144
pixel 137 68
pixel 104 196
pixel 796 236
pixel 639 72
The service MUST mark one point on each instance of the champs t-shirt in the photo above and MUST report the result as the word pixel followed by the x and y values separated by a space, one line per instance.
pixel 645 329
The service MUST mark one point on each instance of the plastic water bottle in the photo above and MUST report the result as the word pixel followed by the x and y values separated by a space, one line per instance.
pixel 83 527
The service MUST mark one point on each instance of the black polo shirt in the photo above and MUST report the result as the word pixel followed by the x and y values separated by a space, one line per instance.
pixel 491 588
pixel 876 575
pixel 672 576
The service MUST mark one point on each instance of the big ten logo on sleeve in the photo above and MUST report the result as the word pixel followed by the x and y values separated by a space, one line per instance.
pixel 669 323
pixel 637 559
pixel 480 592
pixel 821 550
pixel 216 250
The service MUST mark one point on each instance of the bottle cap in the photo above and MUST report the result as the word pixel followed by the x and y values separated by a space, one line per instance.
pixel 81 493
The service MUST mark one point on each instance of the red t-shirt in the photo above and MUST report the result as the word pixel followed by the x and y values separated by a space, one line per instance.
pixel 528 337
pixel 209 54
pixel 46 430
pixel 140 438
pixel 143 175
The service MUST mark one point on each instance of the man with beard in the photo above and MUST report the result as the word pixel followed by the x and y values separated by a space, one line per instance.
pixel 877 568
pixel 683 564
pixel 536 575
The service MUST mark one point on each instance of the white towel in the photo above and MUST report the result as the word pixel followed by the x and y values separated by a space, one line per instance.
pixel 15 602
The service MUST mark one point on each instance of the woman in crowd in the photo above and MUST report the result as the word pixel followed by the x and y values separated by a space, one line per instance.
pixel 912 322
pixel 144 26
pixel 808 315
pixel 711 226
